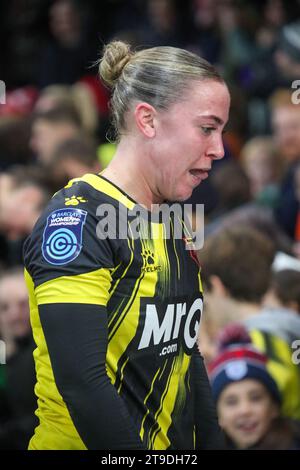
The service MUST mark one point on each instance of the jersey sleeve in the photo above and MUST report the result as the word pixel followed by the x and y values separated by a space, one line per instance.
pixel 64 256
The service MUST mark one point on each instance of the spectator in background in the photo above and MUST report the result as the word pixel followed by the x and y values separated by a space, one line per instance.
pixel 17 419
pixel 14 314
pixel 73 158
pixel 286 127
pixel 263 167
pixel 247 397
pixel 51 128
pixel 238 23
pixel 69 55
pixel 77 97
pixel 21 206
pixel 236 269
pixel 261 219
pixel 233 195
pixel 14 150
pixel 88 98
pixel 22 197
pixel 162 25
pixel 285 116
pixel 284 291
pixel 253 41
pixel 204 32
pixel 274 17
pixel 276 60
pixel 219 311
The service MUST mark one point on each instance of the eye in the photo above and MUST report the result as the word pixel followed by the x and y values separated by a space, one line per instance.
pixel 255 397
pixel 207 130
pixel 231 401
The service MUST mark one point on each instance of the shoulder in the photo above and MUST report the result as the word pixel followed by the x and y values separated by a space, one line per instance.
pixel 64 240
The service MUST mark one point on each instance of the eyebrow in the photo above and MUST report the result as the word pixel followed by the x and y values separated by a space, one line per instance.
pixel 214 118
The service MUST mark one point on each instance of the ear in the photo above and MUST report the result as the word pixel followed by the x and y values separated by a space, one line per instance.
pixel 218 286
pixel 144 115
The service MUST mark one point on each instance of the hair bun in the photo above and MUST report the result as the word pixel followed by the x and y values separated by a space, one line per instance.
pixel 115 56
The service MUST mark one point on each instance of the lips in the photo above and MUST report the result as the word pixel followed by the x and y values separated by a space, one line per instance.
pixel 199 175
pixel 247 427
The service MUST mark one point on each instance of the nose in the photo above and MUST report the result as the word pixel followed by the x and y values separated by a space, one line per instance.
pixel 245 408
pixel 216 150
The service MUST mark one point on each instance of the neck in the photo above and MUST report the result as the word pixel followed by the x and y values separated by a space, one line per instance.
pixel 129 171
pixel 244 310
pixel 224 309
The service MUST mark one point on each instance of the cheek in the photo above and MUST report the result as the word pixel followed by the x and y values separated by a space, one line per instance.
pixel 225 415
pixel 271 412
pixel 173 170
pixel 265 413
pixel 6 323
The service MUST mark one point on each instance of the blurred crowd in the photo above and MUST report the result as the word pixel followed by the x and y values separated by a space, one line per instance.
pixel 54 126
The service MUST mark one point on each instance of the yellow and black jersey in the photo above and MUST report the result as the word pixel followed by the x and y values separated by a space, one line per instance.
pixel 115 319
pixel 282 368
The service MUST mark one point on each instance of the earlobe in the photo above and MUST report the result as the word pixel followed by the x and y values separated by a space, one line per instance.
pixel 144 117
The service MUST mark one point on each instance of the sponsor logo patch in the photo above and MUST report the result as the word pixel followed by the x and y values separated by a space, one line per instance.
pixel 62 239
pixel 74 200
pixel 170 325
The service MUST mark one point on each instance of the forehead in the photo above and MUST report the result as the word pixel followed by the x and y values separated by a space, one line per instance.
pixel 243 387
pixel 11 284
pixel 286 114
pixel 207 97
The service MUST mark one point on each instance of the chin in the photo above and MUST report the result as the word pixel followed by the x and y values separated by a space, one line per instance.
pixel 180 194
pixel 179 197
pixel 183 196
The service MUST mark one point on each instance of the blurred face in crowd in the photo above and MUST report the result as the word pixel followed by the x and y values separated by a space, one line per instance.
pixel 7 185
pixel 14 310
pixel 259 167
pixel 21 210
pixel 68 168
pixel 162 14
pixel 188 137
pixel 64 22
pixel 46 136
pixel 286 126
pixel 246 411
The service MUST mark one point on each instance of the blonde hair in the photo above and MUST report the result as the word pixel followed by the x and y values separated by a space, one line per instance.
pixel 158 76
